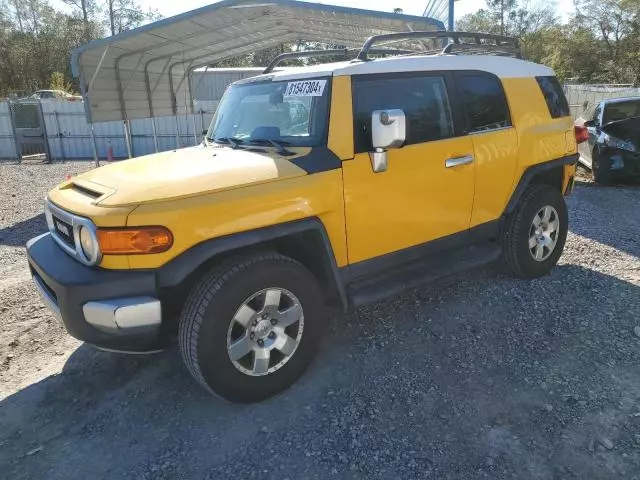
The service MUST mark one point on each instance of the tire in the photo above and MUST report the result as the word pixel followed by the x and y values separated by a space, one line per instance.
pixel 600 175
pixel 519 229
pixel 212 320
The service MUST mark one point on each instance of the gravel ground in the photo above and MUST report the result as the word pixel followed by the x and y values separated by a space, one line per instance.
pixel 480 376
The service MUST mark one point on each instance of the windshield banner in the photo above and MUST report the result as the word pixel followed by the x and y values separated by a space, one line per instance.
pixel 305 88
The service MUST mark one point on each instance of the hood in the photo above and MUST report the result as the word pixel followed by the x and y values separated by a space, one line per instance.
pixel 178 174
pixel 627 129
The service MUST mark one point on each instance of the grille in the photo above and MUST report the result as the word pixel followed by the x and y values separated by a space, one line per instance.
pixel 64 230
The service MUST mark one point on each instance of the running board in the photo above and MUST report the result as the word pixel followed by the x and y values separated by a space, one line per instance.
pixel 388 284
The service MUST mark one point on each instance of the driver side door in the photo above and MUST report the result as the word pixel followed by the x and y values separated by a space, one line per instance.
pixel 427 191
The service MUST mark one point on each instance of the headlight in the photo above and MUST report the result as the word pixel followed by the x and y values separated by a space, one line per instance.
pixel 88 244
pixel 614 142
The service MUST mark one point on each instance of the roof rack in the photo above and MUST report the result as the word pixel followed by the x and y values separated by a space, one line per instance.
pixel 483 43
pixel 343 52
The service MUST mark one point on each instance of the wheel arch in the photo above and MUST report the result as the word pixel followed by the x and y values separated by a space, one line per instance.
pixel 304 240
pixel 547 173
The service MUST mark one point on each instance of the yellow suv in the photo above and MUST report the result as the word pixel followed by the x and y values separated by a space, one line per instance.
pixel 316 189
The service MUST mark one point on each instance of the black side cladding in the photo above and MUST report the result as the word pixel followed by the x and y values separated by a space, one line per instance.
pixel 531 172
pixel 177 270
pixel 319 159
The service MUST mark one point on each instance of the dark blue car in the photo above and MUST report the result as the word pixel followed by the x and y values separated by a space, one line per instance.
pixel 613 149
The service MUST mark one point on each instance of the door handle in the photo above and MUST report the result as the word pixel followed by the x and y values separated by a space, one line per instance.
pixel 456 161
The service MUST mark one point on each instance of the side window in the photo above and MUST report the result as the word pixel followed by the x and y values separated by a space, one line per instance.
pixel 554 96
pixel 485 101
pixel 423 99
pixel 596 113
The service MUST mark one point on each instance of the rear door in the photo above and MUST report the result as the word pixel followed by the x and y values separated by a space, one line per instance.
pixel 495 142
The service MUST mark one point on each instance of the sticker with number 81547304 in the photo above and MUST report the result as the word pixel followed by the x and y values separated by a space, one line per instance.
pixel 305 88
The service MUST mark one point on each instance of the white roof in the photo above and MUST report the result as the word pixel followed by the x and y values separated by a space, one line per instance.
pixel 502 67
pixel 146 72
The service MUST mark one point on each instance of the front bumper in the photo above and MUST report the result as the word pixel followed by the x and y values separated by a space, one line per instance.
pixel 114 310
pixel 619 162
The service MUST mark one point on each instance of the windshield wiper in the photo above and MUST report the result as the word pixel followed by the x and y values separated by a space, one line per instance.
pixel 233 142
pixel 279 144
pixel 236 143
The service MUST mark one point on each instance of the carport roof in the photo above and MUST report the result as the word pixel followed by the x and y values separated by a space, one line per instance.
pixel 146 72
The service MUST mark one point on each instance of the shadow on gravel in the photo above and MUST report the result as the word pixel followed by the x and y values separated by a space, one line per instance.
pixel 482 376
pixel 17 235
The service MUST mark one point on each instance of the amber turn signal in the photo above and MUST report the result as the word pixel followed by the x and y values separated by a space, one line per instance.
pixel 133 241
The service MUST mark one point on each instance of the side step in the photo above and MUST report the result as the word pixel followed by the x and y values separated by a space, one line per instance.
pixel 391 283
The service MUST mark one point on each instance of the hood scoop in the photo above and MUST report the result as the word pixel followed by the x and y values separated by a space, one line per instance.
pixel 87 190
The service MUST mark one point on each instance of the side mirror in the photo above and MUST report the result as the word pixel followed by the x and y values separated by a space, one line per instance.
pixel 590 123
pixel 388 130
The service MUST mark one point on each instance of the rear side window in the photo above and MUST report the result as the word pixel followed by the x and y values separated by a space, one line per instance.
pixel 554 96
pixel 423 99
pixel 485 102
pixel 597 112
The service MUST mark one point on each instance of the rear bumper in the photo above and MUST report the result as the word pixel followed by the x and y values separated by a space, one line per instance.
pixel 114 310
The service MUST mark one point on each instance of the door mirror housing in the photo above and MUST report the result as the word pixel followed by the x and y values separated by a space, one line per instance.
pixel 388 130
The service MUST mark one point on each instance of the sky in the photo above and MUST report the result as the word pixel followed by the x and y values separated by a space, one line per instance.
pixel 169 8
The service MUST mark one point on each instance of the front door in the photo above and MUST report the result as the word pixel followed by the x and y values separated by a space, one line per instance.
pixel 427 191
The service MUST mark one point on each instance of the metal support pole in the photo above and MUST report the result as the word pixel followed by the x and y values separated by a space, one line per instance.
pixel 451 21
pixel 195 135
pixel 155 133
pixel 61 143
pixel 127 138
pixel 177 132
pixel 45 135
pixel 16 142
pixel 95 147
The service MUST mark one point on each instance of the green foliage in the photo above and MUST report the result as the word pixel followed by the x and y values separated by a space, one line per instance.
pixel 599 44
pixel 58 82
pixel 36 40
pixel 124 15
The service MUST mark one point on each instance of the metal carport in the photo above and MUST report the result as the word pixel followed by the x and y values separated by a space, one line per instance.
pixel 146 72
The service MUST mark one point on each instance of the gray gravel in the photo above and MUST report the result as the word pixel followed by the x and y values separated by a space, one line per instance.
pixel 479 376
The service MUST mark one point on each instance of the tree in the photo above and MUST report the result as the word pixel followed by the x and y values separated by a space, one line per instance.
pixel 58 82
pixel 39 45
pixel 508 17
pixel 124 15
pixel 88 8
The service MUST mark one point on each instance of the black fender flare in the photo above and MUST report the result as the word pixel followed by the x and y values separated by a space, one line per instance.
pixel 174 272
pixel 531 172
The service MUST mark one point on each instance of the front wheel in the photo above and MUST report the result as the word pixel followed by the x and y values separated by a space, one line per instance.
pixel 251 327
pixel 534 235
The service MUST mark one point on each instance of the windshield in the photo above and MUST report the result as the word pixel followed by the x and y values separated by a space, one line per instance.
pixel 621 110
pixel 291 112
